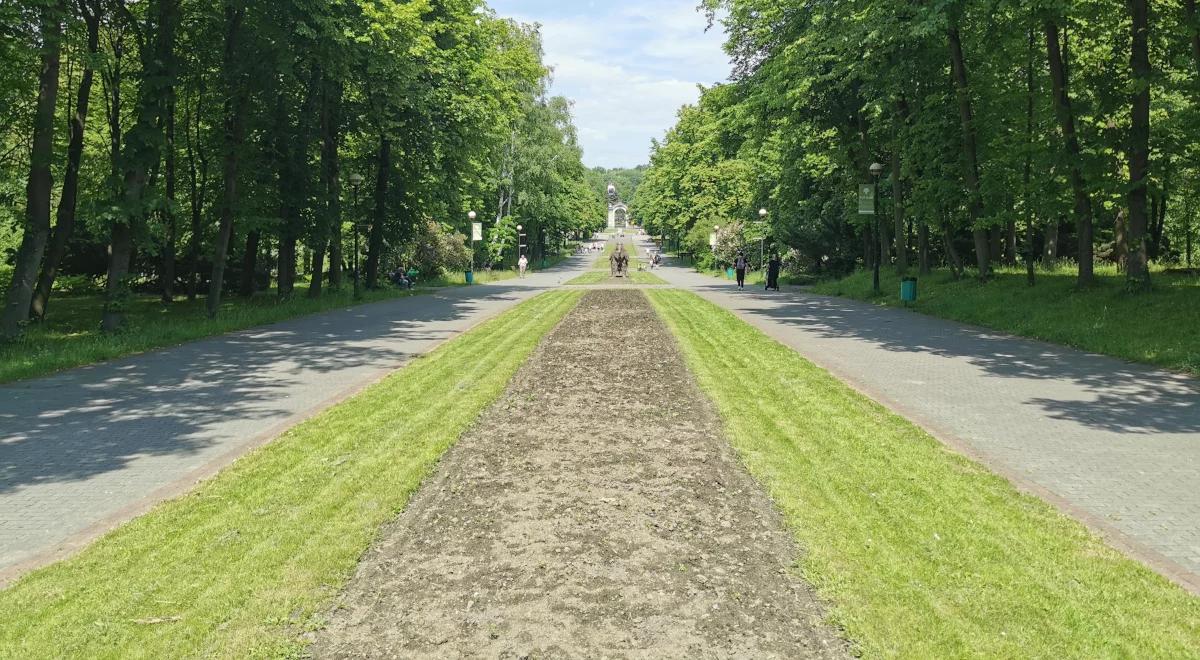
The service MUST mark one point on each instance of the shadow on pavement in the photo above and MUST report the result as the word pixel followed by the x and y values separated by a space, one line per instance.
pixel 183 400
pixel 1128 398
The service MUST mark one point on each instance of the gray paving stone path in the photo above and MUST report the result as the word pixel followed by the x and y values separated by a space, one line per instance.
pixel 1114 444
pixel 85 449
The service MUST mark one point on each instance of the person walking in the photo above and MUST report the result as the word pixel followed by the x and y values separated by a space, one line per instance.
pixel 773 268
pixel 740 264
pixel 523 265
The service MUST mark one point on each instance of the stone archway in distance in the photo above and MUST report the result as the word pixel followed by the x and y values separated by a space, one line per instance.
pixel 618 216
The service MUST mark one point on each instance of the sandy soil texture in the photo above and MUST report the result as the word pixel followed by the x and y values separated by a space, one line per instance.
pixel 595 511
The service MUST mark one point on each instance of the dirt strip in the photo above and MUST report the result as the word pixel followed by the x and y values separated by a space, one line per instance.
pixel 594 511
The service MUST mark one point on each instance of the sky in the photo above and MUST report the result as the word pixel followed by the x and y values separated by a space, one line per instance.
pixel 628 65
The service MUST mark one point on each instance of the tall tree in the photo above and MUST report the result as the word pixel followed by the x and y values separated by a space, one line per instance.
pixel 1061 86
pixel 237 99
pixel 64 226
pixel 1138 270
pixel 970 150
pixel 37 191
pixel 143 146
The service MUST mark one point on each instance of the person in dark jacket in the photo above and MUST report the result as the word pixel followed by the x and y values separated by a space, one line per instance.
pixel 773 268
pixel 740 264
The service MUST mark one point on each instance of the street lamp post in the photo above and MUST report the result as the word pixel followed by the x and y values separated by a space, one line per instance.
pixel 876 171
pixel 520 241
pixel 356 180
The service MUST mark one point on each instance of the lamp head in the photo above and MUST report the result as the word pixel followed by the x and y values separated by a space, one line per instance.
pixel 472 215
pixel 356 179
pixel 876 169
pixel 762 213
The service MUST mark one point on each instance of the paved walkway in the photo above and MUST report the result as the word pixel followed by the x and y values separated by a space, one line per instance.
pixel 1114 444
pixel 86 449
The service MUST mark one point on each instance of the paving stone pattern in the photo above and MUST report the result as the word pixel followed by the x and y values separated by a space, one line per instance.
pixel 1118 443
pixel 80 448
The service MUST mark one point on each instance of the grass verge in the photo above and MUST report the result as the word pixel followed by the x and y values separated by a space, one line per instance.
pixel 71 336
pixel 243 566
pixel 1157 328
pixel 603 277
pixel 920 552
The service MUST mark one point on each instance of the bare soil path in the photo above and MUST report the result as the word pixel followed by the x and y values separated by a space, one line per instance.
pixel 595 511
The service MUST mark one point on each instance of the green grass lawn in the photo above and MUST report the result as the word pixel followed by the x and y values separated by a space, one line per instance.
pixel 71 335
pixel 920 552
pixel 248 562
pixel 1161 327
pixel 603 277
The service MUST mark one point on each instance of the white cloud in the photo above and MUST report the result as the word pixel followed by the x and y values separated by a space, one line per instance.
pixel 628 66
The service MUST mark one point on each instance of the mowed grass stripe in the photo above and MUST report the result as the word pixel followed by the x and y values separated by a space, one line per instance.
pixel 597 277
pixel 920 552
pixel 244 565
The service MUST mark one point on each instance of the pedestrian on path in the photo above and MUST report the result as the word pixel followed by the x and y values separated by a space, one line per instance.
pixel 773 268
pixel 740 265
pixel 523 264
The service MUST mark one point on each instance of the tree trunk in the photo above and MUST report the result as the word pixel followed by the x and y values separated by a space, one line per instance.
pixel 327 208
pixel 293 149
pixel 334 199
pixel 65 222
pixel 1139 146
pixel 336 256
pixel 1121 241
pixel 37 191
pixel 1159 222
pixel 375 243
pixel 197 190
pixel 1051 254
pixel 235 108
pixel 1010 242
pixel 970 152
pixel 168 255
pixel 142 153
pixel 1030 271
pixel 923 248
pixel 1061 85
pixel 898 210
pixel 952 258
pixel 996 244
pixel 883 242
pixel 249 284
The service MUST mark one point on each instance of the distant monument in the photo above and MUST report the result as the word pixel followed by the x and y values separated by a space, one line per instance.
pixel 618 212
pixel 618 262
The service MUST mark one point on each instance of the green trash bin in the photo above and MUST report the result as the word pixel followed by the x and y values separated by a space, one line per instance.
pixel 729 273
pixel 908 290
pixel 470 277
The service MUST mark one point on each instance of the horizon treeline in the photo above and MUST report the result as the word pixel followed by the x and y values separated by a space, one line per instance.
pixel 209 147
pixel 1010 132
